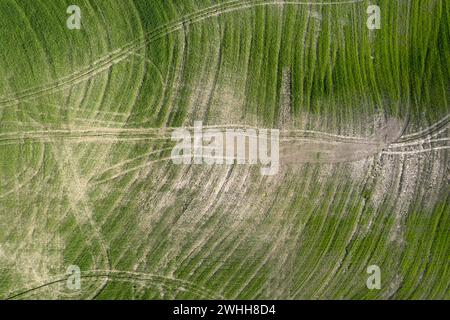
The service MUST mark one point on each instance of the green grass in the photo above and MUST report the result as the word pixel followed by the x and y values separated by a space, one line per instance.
pixel 219 231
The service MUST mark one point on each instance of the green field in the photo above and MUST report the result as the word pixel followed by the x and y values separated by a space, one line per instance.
pixel 86 179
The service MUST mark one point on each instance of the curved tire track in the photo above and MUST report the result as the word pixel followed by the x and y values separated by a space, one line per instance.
pixel 121 54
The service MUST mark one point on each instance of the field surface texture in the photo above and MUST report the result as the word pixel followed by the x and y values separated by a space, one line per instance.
pixel 87 180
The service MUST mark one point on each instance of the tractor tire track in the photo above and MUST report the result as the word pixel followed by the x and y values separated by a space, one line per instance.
pixel 118 274
pixel 105 63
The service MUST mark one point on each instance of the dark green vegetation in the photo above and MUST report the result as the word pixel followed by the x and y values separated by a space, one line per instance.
pixel 85 123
